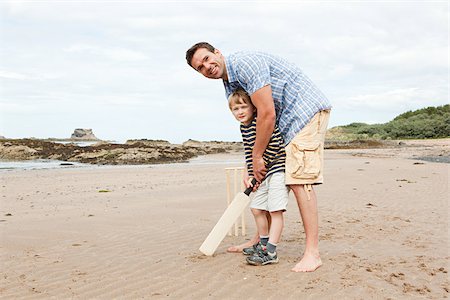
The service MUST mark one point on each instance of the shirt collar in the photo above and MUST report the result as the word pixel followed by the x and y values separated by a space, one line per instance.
pixel 230 70
pixel 252 123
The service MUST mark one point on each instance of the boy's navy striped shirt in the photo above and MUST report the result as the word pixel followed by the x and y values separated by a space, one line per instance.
pixel 275 156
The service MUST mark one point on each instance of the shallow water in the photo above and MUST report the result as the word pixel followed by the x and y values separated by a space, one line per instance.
pixel 438 159
pixel 81 143
pixel 57 164
pixel 38 164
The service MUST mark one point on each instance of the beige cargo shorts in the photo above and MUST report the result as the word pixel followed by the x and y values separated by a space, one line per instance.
pixel 304 154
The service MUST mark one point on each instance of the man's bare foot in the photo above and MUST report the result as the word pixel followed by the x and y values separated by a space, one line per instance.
pixel 239 248
pixel 309 263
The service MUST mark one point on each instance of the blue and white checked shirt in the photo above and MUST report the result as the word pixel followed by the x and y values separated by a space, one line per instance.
pixel 296 98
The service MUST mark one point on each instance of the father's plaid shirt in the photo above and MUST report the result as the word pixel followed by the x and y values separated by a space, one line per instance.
pixel 296 98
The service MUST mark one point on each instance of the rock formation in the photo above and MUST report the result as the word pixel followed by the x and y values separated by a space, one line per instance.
pixel 155 143
pixel 226 146
pixel 83 135
pixel 132 153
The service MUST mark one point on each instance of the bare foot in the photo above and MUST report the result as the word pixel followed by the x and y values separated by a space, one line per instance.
pixel 309 263
pixel 239 248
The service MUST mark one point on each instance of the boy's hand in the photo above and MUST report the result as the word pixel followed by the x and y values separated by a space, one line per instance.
pixel 248 180
pixel 245 178
pixel 248 183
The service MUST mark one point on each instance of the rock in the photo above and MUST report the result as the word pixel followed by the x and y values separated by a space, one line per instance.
pixel 356 144
pixel 192 143
pixel 84 135
pixel 17 152
pixel 133 152
pixel 146 142
pixel 214 146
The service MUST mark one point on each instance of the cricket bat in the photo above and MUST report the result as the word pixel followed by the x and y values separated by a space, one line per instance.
pixel 225 222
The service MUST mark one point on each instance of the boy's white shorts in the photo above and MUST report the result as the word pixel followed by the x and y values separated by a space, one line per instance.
pixel 272 194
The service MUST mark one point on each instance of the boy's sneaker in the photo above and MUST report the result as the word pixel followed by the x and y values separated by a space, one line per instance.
pixel 262 257
pixel 252 250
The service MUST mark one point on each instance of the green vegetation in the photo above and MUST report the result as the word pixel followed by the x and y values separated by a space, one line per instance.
pixel 430 122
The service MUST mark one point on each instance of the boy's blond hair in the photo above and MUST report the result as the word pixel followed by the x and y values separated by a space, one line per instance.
pixel 239 96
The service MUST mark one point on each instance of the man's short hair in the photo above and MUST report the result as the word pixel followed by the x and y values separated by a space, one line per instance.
pixel 191 51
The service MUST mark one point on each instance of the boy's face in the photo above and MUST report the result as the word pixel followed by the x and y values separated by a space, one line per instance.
pixel 209 64
pixel 243 112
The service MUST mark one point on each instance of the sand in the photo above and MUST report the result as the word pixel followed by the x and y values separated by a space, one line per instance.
pixel 134 232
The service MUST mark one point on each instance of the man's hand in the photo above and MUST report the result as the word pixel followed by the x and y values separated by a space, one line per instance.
pixel 259 168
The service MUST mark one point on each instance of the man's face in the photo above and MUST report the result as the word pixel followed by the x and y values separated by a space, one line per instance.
pixel 211 65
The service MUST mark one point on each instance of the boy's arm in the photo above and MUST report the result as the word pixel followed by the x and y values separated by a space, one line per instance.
pixel 245 176
pixel 265 124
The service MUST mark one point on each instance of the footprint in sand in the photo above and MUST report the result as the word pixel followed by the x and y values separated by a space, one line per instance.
pixel 407 288
pixel 195 257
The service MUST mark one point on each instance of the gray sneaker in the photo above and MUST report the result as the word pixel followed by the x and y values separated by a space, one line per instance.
pixel 252 250
pixel 261 258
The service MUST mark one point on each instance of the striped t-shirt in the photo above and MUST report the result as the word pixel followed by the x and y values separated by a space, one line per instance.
pixel 297 99
pixel 274 156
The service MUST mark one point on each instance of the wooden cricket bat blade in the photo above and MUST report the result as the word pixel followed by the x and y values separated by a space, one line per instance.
pixel 224 224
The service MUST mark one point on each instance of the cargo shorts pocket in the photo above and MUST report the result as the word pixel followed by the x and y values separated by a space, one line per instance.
pixel 304 161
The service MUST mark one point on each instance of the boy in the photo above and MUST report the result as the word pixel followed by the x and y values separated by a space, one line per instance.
pixel 271 194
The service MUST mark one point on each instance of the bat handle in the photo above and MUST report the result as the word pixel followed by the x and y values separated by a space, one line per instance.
pixel 250 189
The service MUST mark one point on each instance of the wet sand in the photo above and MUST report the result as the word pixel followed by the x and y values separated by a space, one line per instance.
pixel 134 233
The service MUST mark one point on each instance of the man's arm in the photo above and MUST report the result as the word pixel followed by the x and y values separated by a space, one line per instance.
pixel 265 124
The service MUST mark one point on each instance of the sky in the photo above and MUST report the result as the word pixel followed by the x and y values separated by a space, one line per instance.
pixel 119 68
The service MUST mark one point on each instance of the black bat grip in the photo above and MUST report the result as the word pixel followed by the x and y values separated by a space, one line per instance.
pixel 250 189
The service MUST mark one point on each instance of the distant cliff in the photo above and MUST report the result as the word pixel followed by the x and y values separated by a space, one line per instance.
pixel 83 135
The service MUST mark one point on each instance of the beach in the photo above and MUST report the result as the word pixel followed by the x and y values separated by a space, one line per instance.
pixel 134 232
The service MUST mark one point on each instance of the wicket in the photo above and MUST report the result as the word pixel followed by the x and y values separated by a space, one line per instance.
pixel 237 181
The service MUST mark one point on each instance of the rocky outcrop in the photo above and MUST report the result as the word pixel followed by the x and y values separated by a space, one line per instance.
pixel 225 146
pixel 14 151
pixel 147 142
pixel 156 151
pixel 133 152
pixel 83 135
pixel 358 144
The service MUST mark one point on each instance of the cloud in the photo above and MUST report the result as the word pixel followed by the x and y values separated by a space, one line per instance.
pixel 118 54
pixel 101 62
pixel 9 107
pixel 41 76
pixel 339 70
pixel 14 75
pixel 392 100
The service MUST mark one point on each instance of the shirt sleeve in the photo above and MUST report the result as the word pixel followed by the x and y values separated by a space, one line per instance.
pixel 253 72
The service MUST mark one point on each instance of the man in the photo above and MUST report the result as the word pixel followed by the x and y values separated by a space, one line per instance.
pixel 282 94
